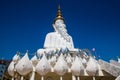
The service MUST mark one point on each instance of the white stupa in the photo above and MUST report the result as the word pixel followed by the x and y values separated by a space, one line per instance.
pixel 60 60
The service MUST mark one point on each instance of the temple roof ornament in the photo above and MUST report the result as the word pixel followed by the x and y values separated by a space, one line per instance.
pixel 24 66
pixel 11 68
pixel 43 66
pixel 16 57
pixel 79 69
pixel 61 66
pixel 92 67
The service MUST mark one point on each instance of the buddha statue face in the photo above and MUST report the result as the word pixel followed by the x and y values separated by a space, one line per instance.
pixel 60 26
pixel 59 22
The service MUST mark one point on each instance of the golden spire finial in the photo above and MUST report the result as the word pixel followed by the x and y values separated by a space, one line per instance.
pixel 59 14
pixel 59 7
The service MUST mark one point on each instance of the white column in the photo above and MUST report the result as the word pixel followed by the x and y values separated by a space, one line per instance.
pixel 93 78
pixel 22 78
pixel 52 69
pixel 78 78
pixel 60 77
pixel 42 77
pixel 33 74
pixel 12 78
pixel 73 77
pixel 69 69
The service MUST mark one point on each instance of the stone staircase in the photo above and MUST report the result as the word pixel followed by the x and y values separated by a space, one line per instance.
pixel 112 68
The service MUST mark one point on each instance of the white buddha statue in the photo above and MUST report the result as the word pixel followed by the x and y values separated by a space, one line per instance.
pixel 59 38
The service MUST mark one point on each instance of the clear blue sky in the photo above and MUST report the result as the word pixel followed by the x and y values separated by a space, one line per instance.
pixel 92 23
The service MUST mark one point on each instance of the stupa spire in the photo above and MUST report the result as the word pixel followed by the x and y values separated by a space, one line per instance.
pixel 59 14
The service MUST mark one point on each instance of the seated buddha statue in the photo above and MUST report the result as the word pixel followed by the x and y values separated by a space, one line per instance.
pixel 59 38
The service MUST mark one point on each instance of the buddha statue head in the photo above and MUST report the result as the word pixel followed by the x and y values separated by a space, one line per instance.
pixel 59 24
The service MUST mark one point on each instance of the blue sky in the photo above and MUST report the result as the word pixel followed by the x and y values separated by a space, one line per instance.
pixel 92 24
